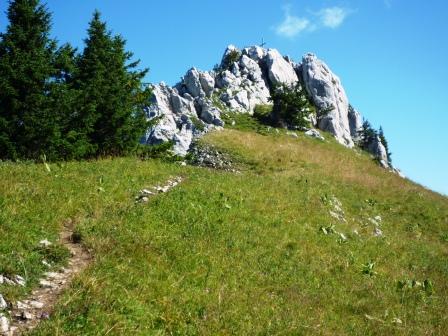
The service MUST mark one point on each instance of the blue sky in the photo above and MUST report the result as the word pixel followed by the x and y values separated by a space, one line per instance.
pixel 391 55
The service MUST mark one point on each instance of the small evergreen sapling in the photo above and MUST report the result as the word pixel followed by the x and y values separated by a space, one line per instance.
pixel 291 106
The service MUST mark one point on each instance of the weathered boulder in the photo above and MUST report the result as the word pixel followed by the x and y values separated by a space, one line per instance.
pixel 329 96
pixel 171 119
pixel 378 150
pixel 181 105
pixel 355 122
pixel 256 53
pixel 207 83
pixel 227 79
pixel 209 113
pixel 163 131
pixel 314 134
pixel 182 140
pixel 279 70
pixel 192 82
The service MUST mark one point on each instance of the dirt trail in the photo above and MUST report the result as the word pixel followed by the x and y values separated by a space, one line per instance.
pixel 26 314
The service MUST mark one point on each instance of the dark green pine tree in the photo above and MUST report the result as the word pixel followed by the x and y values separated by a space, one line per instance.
pixel 367 135
pixel 27 121
pixel 385 144
pixel 291 106
pixel 111 92
pixel 66 99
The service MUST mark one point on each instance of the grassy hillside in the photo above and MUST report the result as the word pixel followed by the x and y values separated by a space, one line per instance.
pixel 259 252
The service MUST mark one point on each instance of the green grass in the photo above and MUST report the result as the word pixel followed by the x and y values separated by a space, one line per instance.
pixel 235 254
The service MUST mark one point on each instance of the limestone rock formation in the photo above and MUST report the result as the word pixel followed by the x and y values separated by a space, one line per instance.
pixel 279 69
pixel 378 150
pixel 355 122
pixel 244 80
pixel 329 96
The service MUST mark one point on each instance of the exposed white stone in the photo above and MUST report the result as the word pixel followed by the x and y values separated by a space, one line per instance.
pixel 377 148
pixel 163 131
pixel 3 304
pixel 377 232
pixel 35 304
pixel 280 71
pixel 4 324
pixel 244 84
pixel 45 243
pixel 22 305
pixel 227 79
pixel 8 281
pixel 171 113
pixel 181 105
pixel 27 315
pixel 256 53
pixel 329 96
pixel 355 123
pixel 315 134
pixel 209 113
pixel 207 82
pixel 19 280
pixel 47 284
pixel 193 83
pixel 182 140
pixel 242 99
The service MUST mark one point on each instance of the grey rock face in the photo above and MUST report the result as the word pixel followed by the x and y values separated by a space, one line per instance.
pixel 182 140
pixel 181 105
pixel 242 83
pixel 280 70
pixel 377 148
pixel 255 52
pixel 329 96
pixel 207 83
pixel 355 122
pixel 209 113
pixel 172 114
pixel 193 83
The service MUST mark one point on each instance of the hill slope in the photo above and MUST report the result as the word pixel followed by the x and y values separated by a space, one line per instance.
pixel 292 244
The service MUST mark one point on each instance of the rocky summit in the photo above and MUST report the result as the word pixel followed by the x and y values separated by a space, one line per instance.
pixel 244 79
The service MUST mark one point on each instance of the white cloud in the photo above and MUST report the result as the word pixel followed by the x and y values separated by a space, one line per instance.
pixel 329 17
pixel 291 25
pixel 333 17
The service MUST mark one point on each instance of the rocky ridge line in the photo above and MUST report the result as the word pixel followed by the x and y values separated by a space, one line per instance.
pixel 243 80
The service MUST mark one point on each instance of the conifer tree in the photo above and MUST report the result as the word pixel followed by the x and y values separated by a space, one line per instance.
pixel 112 115
pixel 291 105
pixel 67 101
pixel 27 121
pixel 367 135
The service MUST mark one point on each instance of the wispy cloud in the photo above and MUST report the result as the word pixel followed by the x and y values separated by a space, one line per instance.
pixel 292 25
pixel 333 17
pixel 388 3
pixel 329 17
